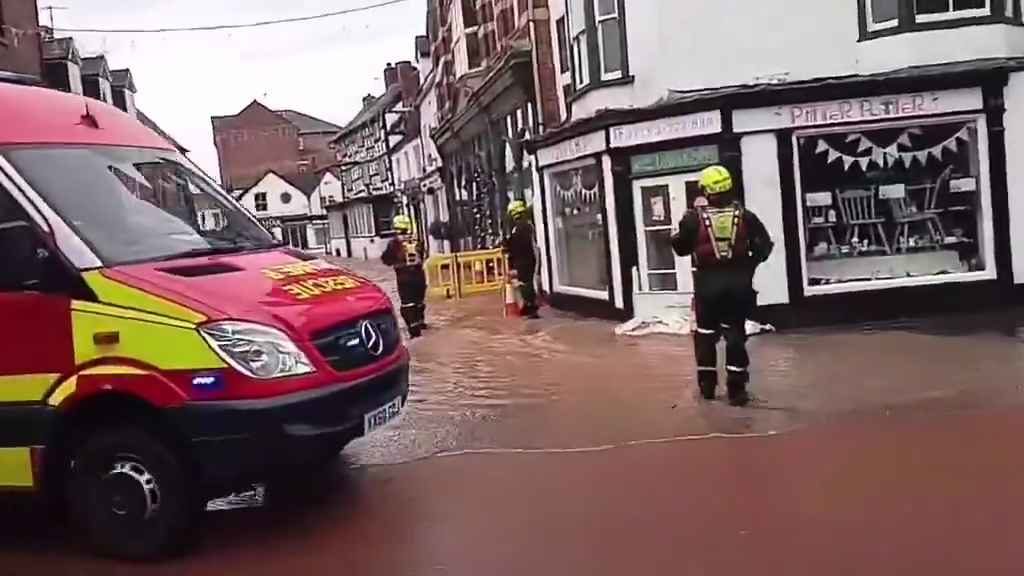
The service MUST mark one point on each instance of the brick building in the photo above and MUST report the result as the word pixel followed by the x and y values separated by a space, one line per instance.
pixel 20 46
pixel 259 140
pixel 496 87
pixel 364 148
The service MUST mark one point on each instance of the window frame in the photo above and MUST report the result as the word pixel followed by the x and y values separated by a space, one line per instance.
pixel 954 14
pixel 987 230
pixel 557 281
pixel 564 52
pixel 256 202
pixel 907 21
pixel 598 20
pixel 586 68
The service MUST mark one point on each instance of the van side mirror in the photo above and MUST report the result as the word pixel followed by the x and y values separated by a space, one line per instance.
pixel 24 257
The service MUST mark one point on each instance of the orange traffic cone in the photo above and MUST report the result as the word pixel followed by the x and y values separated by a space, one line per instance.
pixel 511 306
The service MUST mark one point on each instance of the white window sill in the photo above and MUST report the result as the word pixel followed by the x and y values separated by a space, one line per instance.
pixel 958 15
pixel 583 292
pixel 868 286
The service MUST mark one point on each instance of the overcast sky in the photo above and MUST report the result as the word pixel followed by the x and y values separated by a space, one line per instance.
pixel 323 68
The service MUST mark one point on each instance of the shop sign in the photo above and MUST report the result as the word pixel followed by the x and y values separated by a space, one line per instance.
pixel 857 110
pixel 578 147
pixel 674 160
pixel 674 128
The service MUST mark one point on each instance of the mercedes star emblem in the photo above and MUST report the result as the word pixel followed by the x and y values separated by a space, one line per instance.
pixel 372 339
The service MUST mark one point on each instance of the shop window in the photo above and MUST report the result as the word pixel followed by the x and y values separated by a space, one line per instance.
pixel 894 205
pixel 360 220
pixel 320 236
pixel 883 17
pixel 260 199
pixel 580 233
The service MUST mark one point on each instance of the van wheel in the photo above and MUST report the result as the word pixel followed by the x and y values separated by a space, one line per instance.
pixel 128 493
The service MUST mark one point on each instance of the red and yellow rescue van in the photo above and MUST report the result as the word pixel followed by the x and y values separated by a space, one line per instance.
pixel 157 344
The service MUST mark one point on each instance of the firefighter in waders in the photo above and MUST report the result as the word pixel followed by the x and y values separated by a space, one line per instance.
pixel 727 243
pixel 405 254
pixel 522 258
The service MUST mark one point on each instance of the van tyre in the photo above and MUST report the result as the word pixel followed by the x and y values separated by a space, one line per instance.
pixel 129 494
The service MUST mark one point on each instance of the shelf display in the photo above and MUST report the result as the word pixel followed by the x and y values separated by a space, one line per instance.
pixel 899 201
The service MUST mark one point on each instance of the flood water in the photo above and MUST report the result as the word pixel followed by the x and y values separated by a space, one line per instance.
pixel 484 382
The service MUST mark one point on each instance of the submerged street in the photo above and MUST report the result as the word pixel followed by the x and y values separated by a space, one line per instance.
pixel 553 446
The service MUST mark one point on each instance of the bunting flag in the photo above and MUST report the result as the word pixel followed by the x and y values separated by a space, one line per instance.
pixel 888 156
pixel 877 156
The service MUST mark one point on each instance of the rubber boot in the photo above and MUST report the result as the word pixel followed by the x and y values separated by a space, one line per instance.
pixel 708 382
pixel 737 385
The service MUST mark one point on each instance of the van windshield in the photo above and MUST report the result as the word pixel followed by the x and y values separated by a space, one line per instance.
pixel 135 205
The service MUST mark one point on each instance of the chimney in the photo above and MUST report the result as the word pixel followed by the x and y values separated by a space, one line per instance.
pixel 409 79
pixel 368 99
pixel 390 76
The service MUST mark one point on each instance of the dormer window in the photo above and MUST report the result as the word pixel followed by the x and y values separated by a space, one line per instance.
pixel 886 17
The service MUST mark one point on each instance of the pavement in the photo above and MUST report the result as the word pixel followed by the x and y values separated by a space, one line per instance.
pixel 554 447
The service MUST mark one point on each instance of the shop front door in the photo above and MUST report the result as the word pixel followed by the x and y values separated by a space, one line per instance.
pixel 664 280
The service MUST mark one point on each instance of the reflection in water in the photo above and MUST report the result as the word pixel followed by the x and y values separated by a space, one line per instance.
pixel 481 381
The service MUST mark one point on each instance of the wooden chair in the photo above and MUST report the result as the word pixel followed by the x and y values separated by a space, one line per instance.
pixel 859 212
pixel 906 213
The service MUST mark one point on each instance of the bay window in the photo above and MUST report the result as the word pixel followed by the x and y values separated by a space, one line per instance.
pixel 597 42
pixel 884 17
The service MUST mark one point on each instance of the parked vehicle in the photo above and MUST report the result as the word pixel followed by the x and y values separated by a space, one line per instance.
pixel 159 346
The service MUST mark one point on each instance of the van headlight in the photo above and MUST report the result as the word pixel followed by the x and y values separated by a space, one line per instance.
pixel 255 350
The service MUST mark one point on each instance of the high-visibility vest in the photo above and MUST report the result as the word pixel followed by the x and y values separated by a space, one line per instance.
pixel 721 234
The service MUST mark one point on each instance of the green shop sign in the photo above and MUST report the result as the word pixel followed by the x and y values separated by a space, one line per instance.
pixel 674 160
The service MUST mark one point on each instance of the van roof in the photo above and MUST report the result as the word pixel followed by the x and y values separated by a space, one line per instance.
pixel 30 116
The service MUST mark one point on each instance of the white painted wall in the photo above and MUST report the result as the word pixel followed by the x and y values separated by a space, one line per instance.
pixel 762 186
pixel 275 186
pixel 729 42
pixel 428 122
pixel 540 224
pixel 362 248
pixel 612 228
pixel 329 190
pixel 1014 121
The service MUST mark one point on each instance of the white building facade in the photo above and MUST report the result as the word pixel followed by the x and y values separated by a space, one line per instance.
pixel 871 138
pixel 294 217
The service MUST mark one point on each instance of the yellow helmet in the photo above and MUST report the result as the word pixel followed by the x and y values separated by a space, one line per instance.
pixel 402 223
pixel 517 208
pixel 715 180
